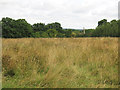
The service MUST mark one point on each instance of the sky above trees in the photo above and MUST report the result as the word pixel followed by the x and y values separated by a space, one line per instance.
pixel 70 13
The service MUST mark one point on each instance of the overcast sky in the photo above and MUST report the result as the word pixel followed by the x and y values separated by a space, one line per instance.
pixel 70 13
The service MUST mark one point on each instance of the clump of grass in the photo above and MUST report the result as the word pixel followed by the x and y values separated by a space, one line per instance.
pixel 60 63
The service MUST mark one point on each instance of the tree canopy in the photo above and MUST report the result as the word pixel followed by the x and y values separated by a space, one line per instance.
pixel 20 28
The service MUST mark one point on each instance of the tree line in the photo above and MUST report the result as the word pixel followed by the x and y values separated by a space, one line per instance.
pixel 20 28
pixel 107 29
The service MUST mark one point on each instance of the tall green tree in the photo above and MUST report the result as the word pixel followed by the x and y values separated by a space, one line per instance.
pixel 23 28
pixel 107 29
pixel 38 27
pixel 119 28
pixel 16 28
pixel 102 22
pixel 52 32
pixel 56 26
pixel 8 30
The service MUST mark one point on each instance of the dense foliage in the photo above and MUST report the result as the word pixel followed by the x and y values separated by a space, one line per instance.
pixel 107 29
pixel 20 28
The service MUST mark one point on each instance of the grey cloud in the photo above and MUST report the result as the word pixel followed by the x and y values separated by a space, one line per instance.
pixel 119 10
pixel 70 13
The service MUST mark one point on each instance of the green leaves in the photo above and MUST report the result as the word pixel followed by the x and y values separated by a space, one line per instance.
pixel 16 28
pixel 52 32
pixel 106 29
pixel 20 28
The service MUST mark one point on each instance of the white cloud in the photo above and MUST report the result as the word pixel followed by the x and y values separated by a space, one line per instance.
pixel 70 13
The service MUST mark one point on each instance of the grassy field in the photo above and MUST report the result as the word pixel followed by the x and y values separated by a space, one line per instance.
pixel 60 63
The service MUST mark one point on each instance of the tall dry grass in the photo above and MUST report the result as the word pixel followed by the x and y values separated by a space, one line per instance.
pixel 60 62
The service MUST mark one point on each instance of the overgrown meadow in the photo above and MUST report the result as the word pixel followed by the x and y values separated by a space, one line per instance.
pixel 60 63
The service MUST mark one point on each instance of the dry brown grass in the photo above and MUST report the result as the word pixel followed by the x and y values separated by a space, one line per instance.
pixel 60 62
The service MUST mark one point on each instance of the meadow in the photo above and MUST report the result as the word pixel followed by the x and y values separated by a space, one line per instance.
pixel 60 63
